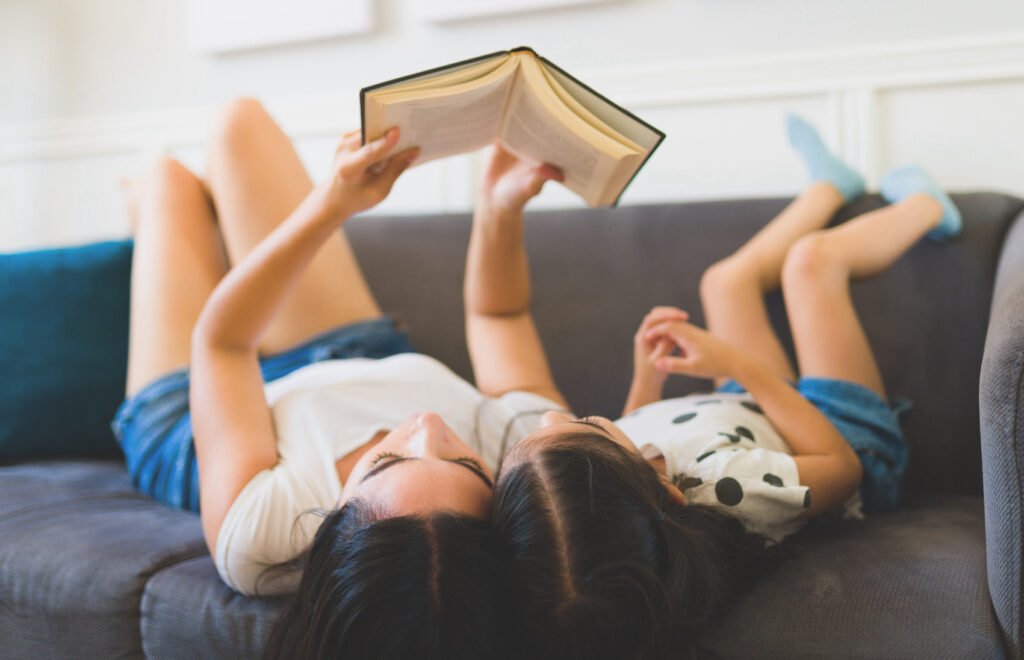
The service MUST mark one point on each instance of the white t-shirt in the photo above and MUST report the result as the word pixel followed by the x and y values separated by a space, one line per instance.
pixel 727 454
pixel 324 411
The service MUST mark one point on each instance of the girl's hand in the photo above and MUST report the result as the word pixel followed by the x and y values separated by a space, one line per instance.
pixel 508 182
pixel 362 176
pixel 701 354
pixel 647 351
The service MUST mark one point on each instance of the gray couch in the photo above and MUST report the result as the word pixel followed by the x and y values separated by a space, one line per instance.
pixel 89 568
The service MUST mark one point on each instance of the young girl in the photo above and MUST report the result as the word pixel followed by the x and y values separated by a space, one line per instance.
pixel 632 550
pixel 301 396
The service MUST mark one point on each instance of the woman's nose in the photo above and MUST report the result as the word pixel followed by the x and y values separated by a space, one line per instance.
pixel 431 430
pixel 553 417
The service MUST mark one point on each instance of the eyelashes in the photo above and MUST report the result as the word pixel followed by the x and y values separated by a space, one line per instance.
pixel 462 459
pixel 472 461
pixel 382 455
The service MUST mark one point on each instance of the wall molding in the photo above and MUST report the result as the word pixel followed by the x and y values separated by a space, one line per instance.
pixel 852 78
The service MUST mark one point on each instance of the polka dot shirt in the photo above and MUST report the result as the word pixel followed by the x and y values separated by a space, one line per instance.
pixel 722 450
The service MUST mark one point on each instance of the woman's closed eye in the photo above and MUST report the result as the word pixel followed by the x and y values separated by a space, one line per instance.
pixel 386 459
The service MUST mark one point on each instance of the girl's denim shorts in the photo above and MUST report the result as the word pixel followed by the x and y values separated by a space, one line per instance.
pixel 870 425
pixel 154 427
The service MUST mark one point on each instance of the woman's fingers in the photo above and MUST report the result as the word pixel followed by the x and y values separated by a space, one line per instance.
pixel 370 154
pixel 393 168
pixel 349 141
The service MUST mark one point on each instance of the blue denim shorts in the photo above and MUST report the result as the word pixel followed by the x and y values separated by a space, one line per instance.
pixel 872 427
pixel 154 427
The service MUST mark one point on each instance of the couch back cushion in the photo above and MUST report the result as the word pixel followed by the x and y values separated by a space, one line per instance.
pixel 597 272
pixel 63 349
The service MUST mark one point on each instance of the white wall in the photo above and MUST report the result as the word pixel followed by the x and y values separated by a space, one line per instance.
pixel 90 89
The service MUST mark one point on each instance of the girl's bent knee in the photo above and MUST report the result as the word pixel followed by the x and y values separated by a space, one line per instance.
pixel 722 277
pixel 812 260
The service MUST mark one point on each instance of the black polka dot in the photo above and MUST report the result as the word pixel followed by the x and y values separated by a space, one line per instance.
pixel 750 405
pixel 729 491
pixel 732 438
pixel 745 432
pixel 807 499
pixel 703 456
pixel 774 480
pixel 690 482
pixel 684 418
pixel 704 403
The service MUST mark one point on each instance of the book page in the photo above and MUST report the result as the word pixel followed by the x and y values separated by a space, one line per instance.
pixel 618 120
pixel 443 125
pixel 583 113
pixel 449 77
pixel 531 131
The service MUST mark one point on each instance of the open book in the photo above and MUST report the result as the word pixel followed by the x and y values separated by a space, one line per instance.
pixel 537 110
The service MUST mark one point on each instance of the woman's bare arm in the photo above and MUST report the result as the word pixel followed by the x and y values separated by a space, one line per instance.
pixel 231 421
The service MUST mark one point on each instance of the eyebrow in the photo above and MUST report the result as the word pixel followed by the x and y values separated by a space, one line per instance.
pixel 383 466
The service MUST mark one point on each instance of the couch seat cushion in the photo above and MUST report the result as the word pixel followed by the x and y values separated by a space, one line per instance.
pixel 188 612
pixel 78 546
pixel 906 584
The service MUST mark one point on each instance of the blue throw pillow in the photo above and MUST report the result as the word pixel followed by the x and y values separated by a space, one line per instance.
pixel 63 349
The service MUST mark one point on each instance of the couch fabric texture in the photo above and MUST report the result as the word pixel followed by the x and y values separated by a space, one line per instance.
pixel 90 568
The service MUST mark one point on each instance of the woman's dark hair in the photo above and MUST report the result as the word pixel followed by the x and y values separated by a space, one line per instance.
pixel 604 565
pixel 396 587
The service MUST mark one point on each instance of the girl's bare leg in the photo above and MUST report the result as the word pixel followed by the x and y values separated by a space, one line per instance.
pixel 829 339
pixel 177 262
pixel 732 290
pixel 256 180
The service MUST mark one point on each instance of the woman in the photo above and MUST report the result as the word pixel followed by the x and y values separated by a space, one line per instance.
pixel 301 397
pixel 627 538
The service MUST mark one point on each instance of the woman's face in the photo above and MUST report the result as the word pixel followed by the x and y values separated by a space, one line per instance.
pixel 422 467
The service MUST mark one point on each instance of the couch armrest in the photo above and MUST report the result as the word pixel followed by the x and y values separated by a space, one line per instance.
pixel 1002 438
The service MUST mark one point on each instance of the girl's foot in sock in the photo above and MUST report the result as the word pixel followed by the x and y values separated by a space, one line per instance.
pixel 902 182
pixel 821 164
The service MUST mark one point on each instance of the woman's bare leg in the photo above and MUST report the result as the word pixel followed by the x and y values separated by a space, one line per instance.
pixel 732 290
pixel 178 260
pixel 256 180
pixel 830 341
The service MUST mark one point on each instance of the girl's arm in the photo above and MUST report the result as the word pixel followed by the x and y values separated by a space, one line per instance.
pixel 648 380
pixel 504 347
pixel 232 425
pixel 825 461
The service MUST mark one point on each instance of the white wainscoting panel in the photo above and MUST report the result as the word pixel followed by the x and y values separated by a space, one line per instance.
pixel 954 107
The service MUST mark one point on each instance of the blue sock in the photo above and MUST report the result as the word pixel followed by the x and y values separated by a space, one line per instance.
pixel 821 164
pixel 902 182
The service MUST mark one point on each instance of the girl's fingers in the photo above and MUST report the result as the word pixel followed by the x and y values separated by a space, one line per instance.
pixel 370 154
pixel 662 314
pixel 676 365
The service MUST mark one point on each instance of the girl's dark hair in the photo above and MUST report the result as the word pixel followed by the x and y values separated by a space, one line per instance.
pixel 605 565
pixel 396 587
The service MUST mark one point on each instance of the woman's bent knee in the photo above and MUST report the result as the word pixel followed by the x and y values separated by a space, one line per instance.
pixel 235 120
pixel 166 175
